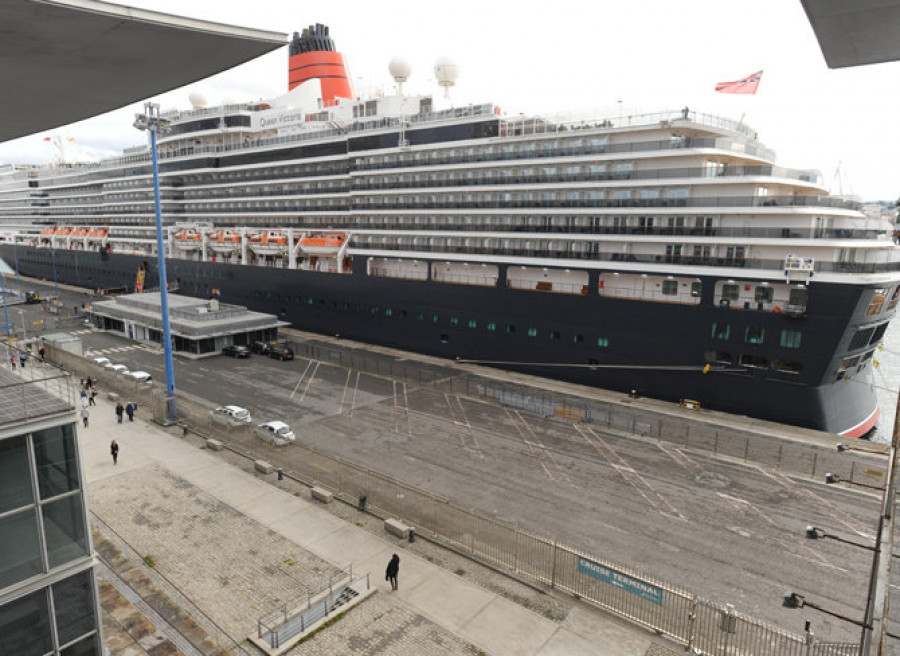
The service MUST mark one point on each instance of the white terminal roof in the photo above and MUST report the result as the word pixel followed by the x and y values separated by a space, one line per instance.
pixel 856 32
pixel 66 60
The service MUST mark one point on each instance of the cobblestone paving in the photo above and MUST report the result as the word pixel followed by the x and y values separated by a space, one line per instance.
pixel 380 625
pixel 240 569
pixel 537 599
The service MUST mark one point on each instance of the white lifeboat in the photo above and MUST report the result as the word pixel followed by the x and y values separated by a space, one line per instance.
pixel 268 242
pixel 323 244
pixel 188 239
pixel 227 240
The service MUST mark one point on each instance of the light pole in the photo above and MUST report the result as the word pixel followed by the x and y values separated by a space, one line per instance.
pixel 151 121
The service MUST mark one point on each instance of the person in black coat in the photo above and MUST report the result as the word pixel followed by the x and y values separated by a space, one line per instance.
pixel 393 569
pixel 120 410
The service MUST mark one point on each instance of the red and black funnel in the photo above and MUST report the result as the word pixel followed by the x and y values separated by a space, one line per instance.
pixel 313 57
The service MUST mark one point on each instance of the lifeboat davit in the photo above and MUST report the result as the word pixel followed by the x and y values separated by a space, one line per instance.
pixel 80 232
pixel 225 241
pixel 323 244
pixel 188 239
pixel 98 232
pixel 63 232
pixel 269 242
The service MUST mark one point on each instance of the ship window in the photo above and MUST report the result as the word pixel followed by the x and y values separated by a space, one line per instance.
pixel 721 330
pixel 754 334
pixel 510 327
pixel 787 366
pixel 798 296
pixel 454 321
pixel 861 338
pixel 790 338
pixel 731 292
pixel 491 326
pixel 696 289
pixel 670 287
pixel 718 356
pixel 894 298
pixel 554 335
pixel 435 318
pixel 373 309
pixel 877 302
pixel 578 339
pixel 444 338
pixel 603 341
pixel 879 333
pixel 764 294
pixel 388 312
pixel 310 301
pixel 473 323
pixel 754 361
pixel 532 332
pixel 420 316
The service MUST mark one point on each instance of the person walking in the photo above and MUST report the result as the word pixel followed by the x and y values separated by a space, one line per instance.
pixel 42 351
pixel 12 361
pixel 22 360
pixel 129 410
pixel 393 569
pixel 114 450
pixel 91 396
pixel 119 411
pixel 85 415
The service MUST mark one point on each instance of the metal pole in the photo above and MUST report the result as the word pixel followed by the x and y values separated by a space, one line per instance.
pixel 55 278
pixel 16 258
pixel 152 112
pixel 5 309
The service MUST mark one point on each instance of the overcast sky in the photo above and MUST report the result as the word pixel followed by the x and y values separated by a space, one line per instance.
pixel 648 55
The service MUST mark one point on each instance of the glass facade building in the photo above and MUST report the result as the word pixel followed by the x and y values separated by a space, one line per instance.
pixel 48 595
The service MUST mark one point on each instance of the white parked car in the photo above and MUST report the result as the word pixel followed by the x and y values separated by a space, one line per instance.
pixel 140 376
pixel 231 414
pixel 102 362
pixel 276 432
pixel 118 368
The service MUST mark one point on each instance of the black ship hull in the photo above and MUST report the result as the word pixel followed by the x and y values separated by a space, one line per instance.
pixel 658 349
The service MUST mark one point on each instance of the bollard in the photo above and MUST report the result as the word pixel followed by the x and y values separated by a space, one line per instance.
pixel 412 533
pixel 184 431
pixel 362 502
pixel 280 474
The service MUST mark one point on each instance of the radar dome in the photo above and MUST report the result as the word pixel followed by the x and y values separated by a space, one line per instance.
pixel 400 69
pixel 446 71
pixel 198 100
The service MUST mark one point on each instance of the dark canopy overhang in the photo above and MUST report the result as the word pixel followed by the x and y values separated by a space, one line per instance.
pixel 856 32
pixel 66 60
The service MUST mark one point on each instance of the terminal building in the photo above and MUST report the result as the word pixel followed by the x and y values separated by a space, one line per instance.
pixel 48 597
pixel 198 326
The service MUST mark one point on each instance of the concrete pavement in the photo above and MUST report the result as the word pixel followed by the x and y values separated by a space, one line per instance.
pixel 154 465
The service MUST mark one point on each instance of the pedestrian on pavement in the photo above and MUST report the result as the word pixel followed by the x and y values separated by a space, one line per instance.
pixel 119 411
pixel 114 450
pixel 91 396
pixel 129 410
pixel 84 401
pixel 12 361
pixel 42 351
pixel 85 415
pixel 22 359
pixel 393 569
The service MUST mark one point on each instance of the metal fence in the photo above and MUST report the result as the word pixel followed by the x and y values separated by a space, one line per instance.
pixel 701 625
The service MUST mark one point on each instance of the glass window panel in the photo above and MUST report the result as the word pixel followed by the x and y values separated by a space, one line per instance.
pixel 64 530
pixel 73 602
pixel 15 475
pixel 86 647
pixel 54 454
pixel 25 626
pixel 20 551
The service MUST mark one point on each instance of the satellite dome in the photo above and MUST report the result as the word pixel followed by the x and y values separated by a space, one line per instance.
pixel 446 71
pixel 198 100
pixel 400 69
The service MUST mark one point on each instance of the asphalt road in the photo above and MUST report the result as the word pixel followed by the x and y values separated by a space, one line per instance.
pixel 732 532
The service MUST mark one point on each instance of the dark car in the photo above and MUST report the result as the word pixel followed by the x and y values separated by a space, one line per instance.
pixel 281 353
pixel 236 351
pixel 262 348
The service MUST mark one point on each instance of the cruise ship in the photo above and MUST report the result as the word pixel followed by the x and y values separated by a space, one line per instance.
pixel 664 253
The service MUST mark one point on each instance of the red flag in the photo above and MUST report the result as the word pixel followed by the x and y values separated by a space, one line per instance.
pixel 746 85
pixel 47 139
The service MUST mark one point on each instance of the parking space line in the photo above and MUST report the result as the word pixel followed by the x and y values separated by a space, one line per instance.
pixel 302 376
pixel 309 382
pixel 536 447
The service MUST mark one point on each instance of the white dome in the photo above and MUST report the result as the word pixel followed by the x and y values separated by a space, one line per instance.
pixel 198 100
pixel 446 71
pixel 400 69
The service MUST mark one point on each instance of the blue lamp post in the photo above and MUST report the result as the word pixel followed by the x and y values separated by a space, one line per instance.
pixel 151 121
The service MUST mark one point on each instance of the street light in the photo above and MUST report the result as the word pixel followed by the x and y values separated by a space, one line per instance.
pixel 813 533
pixel 151 121
pixel 793 600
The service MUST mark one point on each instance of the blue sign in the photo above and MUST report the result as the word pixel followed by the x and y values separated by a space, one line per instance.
pixel 621 581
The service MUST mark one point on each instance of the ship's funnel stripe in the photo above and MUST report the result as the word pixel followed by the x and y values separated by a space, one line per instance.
pixel 326 66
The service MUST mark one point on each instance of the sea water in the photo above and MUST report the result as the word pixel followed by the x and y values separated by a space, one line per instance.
pixel 886 377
